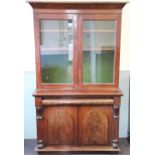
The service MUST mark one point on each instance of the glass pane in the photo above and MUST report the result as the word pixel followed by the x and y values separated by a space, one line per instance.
pixel 98 51
pixel 56 48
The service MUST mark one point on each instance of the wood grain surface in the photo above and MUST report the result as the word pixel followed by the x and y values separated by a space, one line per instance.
pixel 61 124
pixel 95 125
pixel 77 116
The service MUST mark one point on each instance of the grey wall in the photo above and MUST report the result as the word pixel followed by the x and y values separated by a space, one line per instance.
pixel 29 108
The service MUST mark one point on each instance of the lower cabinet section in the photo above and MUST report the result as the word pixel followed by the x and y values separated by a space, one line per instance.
pixel 78 125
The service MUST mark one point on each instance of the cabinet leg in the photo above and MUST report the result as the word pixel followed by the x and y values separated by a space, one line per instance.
pixel 40 144
pixel 115 143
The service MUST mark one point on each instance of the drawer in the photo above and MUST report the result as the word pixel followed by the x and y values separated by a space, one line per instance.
pixel 95 125
pixel 61 124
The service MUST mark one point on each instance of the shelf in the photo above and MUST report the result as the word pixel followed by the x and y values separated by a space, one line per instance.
pixel 85 49
pixel 94 30
pixel 54 52
pixel 54 49
pixel 99 49
pixel 50 30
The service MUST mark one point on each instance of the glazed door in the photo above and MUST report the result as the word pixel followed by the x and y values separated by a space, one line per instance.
pixel 56 51
pixel 99 51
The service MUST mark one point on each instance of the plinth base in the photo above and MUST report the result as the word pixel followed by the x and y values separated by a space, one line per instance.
pixel 77 149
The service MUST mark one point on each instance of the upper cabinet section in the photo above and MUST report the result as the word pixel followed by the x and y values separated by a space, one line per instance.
pixel 77 45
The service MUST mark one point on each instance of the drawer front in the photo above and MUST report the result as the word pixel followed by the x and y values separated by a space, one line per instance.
pixel 61 124
pixel 95 125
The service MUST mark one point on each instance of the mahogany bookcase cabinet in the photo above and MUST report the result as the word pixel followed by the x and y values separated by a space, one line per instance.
pixel 77 97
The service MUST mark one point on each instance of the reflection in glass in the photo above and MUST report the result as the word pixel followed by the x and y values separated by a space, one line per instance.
pixel 98 67
pixel 98 51
pixel 56 48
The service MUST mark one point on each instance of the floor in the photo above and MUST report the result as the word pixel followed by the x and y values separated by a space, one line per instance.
pixel 29 145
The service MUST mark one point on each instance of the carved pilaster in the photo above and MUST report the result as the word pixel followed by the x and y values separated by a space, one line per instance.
pixel 117 100
pixel 38 101
pixel 115 143
pixel 40 144
pixel 115 111
pixel 40 126
pixel 39 111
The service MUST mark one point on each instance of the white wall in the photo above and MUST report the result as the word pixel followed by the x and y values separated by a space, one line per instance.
pixel 125 53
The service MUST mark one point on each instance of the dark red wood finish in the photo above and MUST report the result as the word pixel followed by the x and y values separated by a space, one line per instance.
pixel 57 107
pixel 62 125
pixel 79 6
pixel 95 125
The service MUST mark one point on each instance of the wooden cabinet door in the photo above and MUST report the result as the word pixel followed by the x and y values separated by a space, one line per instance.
pixel 61 124
pixel 95 125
